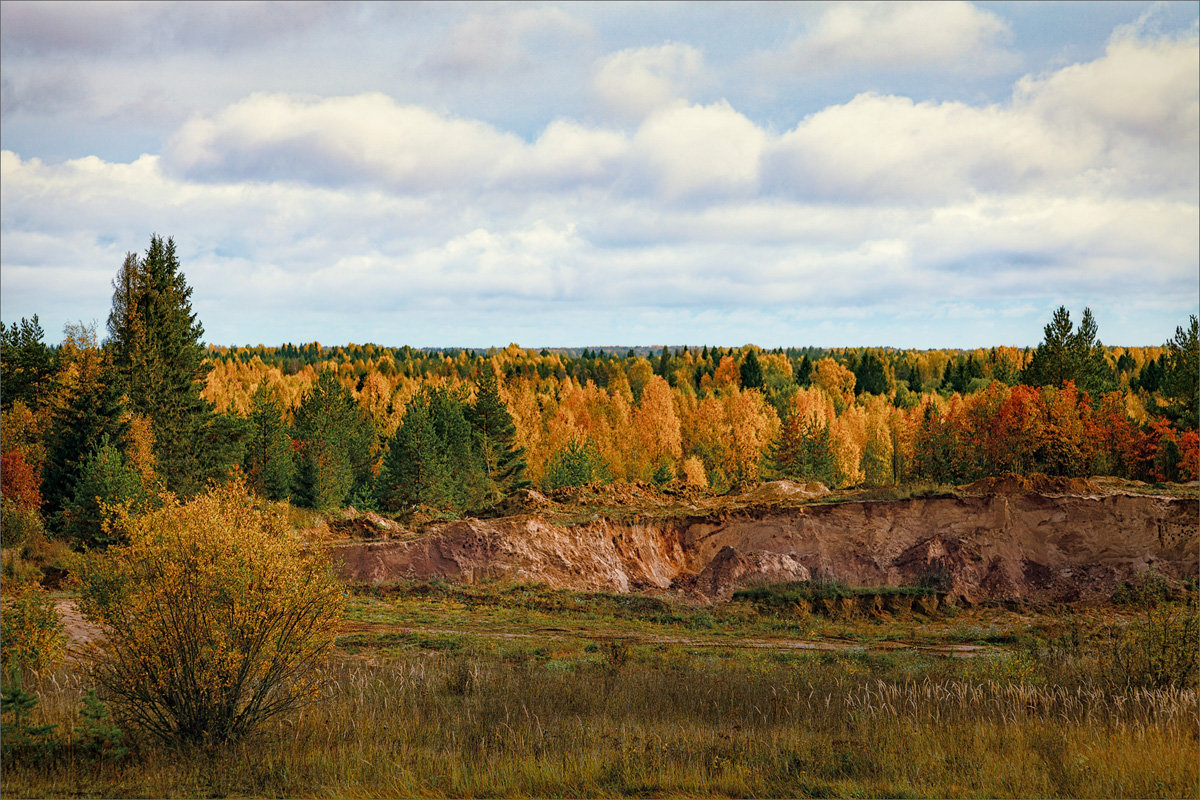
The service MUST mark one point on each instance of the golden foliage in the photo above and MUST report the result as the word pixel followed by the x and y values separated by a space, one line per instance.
pixel 31 632
pixel 214 617
pixel 836 380
pixel 693 473
pixel 656 426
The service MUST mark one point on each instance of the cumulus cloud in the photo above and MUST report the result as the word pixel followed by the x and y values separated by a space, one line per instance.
pixel 631 83
pixel 697 151
pixel 858 36
pixel 398 221
pixel 504 39
pixel 1140 102
pixel 1127 122
pixel 362 139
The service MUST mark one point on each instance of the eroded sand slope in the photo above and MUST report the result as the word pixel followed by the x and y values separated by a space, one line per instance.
pixel 1018 545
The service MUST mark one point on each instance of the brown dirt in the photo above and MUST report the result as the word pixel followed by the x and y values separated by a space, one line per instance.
pixel 1037 483
pixel 80 632
pixel 998 540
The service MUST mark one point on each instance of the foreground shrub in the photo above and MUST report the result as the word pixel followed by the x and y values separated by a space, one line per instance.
pixel 214 616
pixel 32 638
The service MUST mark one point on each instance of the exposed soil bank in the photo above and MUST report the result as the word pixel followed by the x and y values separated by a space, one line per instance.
pixel 1002 546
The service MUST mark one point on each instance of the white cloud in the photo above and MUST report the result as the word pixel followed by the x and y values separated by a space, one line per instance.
pixel 857 36
pixel 891 149
pixel 1126 123
pixel 504 39
pixel 366 138
pixel 701 151
pixel 632 83
pixel 397 221
pixel 1149 89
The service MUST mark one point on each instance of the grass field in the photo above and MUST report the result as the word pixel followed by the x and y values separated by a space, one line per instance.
pixel 477 691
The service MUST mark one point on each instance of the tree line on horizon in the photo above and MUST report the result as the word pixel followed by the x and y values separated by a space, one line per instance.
pixel 90 427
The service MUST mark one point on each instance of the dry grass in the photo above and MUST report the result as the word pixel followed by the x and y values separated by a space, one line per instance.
pixel 668 722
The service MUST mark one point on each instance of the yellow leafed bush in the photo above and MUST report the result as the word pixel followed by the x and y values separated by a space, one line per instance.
pixel 214 617
pixel 31 632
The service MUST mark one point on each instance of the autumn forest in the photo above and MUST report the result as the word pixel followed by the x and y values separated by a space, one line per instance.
pixel 91 425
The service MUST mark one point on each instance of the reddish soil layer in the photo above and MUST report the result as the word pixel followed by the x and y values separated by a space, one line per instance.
pixel 1002 539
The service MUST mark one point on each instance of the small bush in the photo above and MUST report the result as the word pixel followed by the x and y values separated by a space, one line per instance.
pixel 577 464
pixel 214 616
pixel 1158 650
pixel 20 737
pixel 32 638
pixel 98 736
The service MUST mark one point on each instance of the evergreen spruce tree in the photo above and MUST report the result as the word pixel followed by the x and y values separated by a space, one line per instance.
pixel 870 376
pixel 337 445
pixel 495 440
pixel 751 371
pixel 466 479
pixel 804 372
pixel 158 361
pixel 268 464
pixel 414 468
pixel 106 482
pixel 84 409
pixel 803 452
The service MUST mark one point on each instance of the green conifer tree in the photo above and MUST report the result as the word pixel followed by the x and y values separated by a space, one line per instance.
pixel 84 410
pixel 751 371
pixel 466 479
pixel 1181 377
pixel 158 361
pixel 1066 354
pixel 414 468
pixel 337 445
pixel 269 467
pixel 106 482
pixel 495 440
pixel 26 363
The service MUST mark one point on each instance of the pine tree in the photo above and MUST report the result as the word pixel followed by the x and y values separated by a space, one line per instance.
pixel 1066 354
pixel 576 464
pixel 158 361
pixel 1181 377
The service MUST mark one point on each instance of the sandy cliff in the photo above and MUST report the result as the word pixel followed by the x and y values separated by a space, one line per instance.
pixel 1001 545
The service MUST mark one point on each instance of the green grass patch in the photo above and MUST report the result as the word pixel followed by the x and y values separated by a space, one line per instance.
pixel 785 595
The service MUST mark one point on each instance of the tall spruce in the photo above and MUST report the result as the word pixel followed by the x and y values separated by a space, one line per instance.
pixel 336 445
pixel 268 464
pixel 750 371
pixel 414 469
pixel 85 408
pixel 495 440
pixel 158 361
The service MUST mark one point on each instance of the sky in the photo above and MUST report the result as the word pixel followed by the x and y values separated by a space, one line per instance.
pixel 621 174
